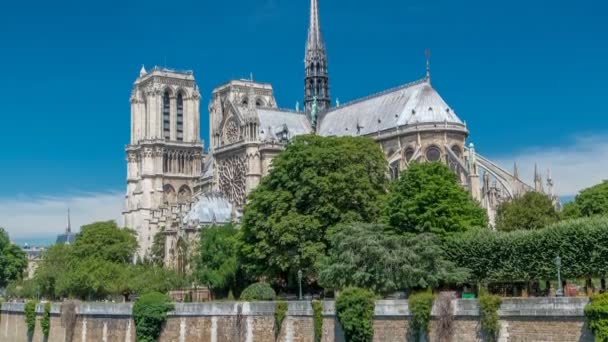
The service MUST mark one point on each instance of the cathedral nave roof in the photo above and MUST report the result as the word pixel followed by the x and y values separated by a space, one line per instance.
pixel 277 120
pixel 414 103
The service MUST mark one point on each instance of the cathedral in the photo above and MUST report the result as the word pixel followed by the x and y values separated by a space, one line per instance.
pixel 174 188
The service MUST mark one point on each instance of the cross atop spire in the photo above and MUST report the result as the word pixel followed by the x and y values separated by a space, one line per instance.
pixel 315 39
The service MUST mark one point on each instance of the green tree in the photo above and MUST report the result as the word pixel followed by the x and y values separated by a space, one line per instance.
pixel 157 251
pixel 13 261
pixel 316 183
pixel 531 211
pixel 427 198
pixel 216 262
pixel 105 241
pixel 570 211
pixel 367 256
pixel 590 202
pixel 150 314
pixel 54 264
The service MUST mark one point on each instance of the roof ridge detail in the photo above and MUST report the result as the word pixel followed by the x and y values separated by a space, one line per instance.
pixel 381 93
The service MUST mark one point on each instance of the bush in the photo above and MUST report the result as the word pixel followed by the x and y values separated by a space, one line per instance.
pixel 597 316
pixel 280 312
pixel 149 314
pixel 317 317
pixel 45 322
pixel 258 291
pixel 30 316
pixel 488 314
pixel 355 310
pixel 420 305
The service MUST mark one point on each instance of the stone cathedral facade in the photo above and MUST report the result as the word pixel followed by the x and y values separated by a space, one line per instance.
pixel 174 188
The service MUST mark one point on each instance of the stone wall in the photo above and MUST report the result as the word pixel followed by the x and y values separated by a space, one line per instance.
pixel 525 319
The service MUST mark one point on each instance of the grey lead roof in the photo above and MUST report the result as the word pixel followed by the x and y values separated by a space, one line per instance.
pixel 273 121
pixel 413 103
pixel 210 208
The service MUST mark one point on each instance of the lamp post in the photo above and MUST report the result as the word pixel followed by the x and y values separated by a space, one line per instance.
pixel 560 290
pixel 300 283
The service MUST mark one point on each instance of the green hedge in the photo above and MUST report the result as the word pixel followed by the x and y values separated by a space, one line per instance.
pixel 149 314
pixel 355 310
pixel 582 245
pixel 420 305
pixel 258 291
pixel 597 316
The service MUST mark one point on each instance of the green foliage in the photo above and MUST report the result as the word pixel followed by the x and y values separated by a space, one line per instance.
pixel 355 310
pixel 570 211
pixel 533 210
pixel 420 305
pixel 258 291
pixel 591 201
pixel 21 289
pixel 596 312
pixel 54 264
pixel 427 198
pixel 582 245
pixel 488 315
pixel 316 183
pixel 157 251
pixel 280 312
pixel 317 318
pixel 369 256
pixel 150 313
pixel 13 261
pixel 105 241
pixel 30 316
pixel 45 322
pixel 216 262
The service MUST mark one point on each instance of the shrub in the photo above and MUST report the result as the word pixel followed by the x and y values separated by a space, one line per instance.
pixel 420 305
pixel 597 316
pixel 258 291
pixel 488 314
pixel 280 312
pixel 355 310
pixel 149 314
pixel 45 322
pixel 317 317
pixel 30 316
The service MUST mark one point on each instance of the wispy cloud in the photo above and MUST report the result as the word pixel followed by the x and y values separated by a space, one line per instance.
pixel 576 166
pixel 45 216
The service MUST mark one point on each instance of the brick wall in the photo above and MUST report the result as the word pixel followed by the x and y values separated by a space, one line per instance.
pixel 530 319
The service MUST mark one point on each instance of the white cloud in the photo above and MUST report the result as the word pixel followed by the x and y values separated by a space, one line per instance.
pixel 576 166
pixel 46 215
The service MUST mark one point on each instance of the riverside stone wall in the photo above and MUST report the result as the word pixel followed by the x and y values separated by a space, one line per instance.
pixel 524 319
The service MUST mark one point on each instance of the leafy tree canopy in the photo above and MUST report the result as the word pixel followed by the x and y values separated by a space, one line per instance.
pixel 157 251
pixel 427 198
pixel 13 260
pixel 316 183
pixel 533 210
pixel 590 202
pixel 367 256
pixel 106 241
pixel 216 261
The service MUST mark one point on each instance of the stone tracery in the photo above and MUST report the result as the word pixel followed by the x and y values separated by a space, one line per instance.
pixel 232 173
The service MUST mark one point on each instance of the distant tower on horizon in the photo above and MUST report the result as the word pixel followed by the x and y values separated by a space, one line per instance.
pixel 316 81
pixel 68 237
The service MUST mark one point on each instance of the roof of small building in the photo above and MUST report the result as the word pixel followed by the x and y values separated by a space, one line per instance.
pixel 276 120
pixel 210 208
pixel 410 104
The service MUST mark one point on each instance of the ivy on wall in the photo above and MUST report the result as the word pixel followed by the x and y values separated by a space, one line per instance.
pixel 420 305
pixel 150 314
pixel 355 310
pixel 45 322
pixel 30 316
pixel 280 312
pixel 317 318
pixel 488 315
pixel 596 312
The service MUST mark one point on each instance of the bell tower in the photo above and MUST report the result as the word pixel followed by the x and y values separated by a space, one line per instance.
pixel 164 157
pixel 316 81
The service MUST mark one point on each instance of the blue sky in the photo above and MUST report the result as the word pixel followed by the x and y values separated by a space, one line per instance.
pixel 529 78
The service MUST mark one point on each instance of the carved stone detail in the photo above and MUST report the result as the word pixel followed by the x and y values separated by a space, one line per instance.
pixel 232 173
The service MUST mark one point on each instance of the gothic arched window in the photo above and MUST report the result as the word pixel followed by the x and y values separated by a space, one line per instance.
pixel 409 153
pixel 166 116
pixel 180 117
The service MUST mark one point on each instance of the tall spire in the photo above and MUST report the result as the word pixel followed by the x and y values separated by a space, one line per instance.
pixel 68 229
pixel 515 170
pixel 316 83
pixel 427 54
